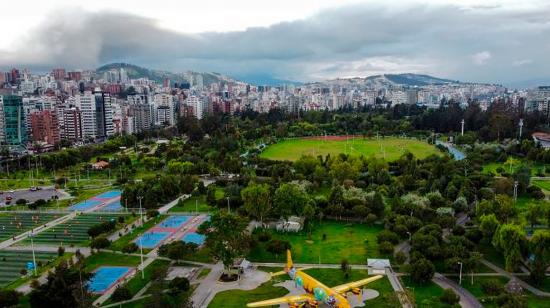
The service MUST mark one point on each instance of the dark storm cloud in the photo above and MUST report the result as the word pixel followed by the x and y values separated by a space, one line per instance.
pixel 484 43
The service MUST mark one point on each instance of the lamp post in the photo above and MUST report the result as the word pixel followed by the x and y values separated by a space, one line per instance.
pixel 140 243
pixel 520 128
pixel 516 191
pixel 462 131
pixel 460 274
pixel 228 208
pixel 33 256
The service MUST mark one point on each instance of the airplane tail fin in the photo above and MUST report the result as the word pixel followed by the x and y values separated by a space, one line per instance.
pixel 289 263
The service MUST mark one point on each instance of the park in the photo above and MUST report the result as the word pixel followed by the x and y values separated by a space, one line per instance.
pixel 389 148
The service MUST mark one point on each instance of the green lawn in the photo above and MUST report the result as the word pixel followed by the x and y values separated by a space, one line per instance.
pixel 544 184
pixel 192 204
pixel 343 240
pixel 109 259
pixel 426 295
pixel 388 148
pixel 204 272
pixel 239 298
pixel 493 166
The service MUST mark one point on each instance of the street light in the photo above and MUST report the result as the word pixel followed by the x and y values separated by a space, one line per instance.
pixel 228 208
pixel 410 235
pixel 140 244
pixel 520 128
pixel 516 191
pixel 460 274
pixel 33 256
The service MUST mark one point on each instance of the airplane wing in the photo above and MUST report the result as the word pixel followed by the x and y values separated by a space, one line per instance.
pixel 356 284
pixel 281 300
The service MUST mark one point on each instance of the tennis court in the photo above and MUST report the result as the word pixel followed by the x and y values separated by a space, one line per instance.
pixel 12 262
pixel 109 194
pixel 113 206
pixel 151 239
pixel 85 205
pixel 12 224
pixel 106 276
pixel 174 222
pixel 194 237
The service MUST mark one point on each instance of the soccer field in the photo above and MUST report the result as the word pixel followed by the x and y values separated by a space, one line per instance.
pixel 387 148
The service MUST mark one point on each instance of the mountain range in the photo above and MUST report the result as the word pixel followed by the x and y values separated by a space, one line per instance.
pixel 385 80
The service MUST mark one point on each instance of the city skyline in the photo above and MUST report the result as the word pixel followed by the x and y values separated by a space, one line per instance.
pixel 497 42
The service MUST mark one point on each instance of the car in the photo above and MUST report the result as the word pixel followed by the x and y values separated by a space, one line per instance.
pixel 9 198
pixel 34 188
pixel 12 191
pixel 38 188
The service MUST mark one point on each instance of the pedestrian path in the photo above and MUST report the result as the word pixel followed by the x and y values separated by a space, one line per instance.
pixel 467 300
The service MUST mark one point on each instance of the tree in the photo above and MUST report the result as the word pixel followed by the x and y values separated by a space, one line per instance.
pixel 534 213
pixel 488 225
pixel 290 199
pixel 225 236
pixel 509 239
pixel 449 297
pixel 540 247
pixel 100 242
pixel 422 270
pixel 9 298
pixel 178 285
pixel 121 294
pixel 65 287
pixel 256 200
pixel 211 195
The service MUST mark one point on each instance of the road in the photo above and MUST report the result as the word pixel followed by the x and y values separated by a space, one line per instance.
pixel 467 300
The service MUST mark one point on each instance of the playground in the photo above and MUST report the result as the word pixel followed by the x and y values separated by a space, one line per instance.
pixel 390 148
pixel 74 231
pixel 106 276
pixel 13 224
pixel 106 199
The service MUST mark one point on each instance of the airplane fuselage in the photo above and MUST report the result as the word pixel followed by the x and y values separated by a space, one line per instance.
pixel 320 292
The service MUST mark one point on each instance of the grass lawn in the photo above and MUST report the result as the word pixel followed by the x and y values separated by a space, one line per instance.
pixel 192 204
pixel 493 166
pixel 239 298
pixel 544 184
pixel 109 259
pixel 343 240
pixel 204 272
pixel 389 148
pixel 426 295
pixel 491 254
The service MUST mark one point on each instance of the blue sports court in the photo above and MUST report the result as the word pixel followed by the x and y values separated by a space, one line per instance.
pixel 85 205
pixel 174 222
pixel 105 276
pixel 151 239
pixel 109 194
pixel 194 237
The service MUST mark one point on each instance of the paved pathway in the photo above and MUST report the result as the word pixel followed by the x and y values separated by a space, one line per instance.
pixel 398 288
pixel 467 300
pixel 523 284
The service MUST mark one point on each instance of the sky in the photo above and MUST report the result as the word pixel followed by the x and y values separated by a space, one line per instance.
pixel 497 41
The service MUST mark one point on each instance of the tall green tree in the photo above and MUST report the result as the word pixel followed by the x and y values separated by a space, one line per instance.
pixel 510 239
pixel 540 247
pixel 256 199
pixel 225 236
pixel 290 199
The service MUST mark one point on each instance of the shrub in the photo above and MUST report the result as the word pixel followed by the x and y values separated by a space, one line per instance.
pixel 60 251
pixel 121 294
pixel 385 248
pixel 277 246
pixel 449 297
pixel 179 284
pixel 492 287
pixel 103 227
pixel 400 257
pixel 9 298
pixel 387 236
pixel 264 237
pixel 130 248
pixel 100 242
pixel 21 201
pixel 152 213
pixel 459 230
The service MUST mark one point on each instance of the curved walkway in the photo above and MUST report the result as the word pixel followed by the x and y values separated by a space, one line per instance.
pixel 523 284
pixel 467 300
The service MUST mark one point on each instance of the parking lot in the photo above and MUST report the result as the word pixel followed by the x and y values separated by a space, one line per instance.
pixel 45 193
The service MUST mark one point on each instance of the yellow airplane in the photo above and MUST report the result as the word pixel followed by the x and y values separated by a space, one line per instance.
pixel 316 292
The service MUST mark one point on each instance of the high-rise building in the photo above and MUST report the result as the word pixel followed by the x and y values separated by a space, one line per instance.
pixel 58 73
pixel 86 104
pixel 12 120
pixel 72 125
pixel 44 127
pixel 76 76
pixel 103 114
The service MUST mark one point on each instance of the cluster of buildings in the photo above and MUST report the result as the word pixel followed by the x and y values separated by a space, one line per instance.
pixel 38 111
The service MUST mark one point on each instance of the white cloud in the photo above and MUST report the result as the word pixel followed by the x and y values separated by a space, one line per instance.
pixel 521 62
pixel 481 58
